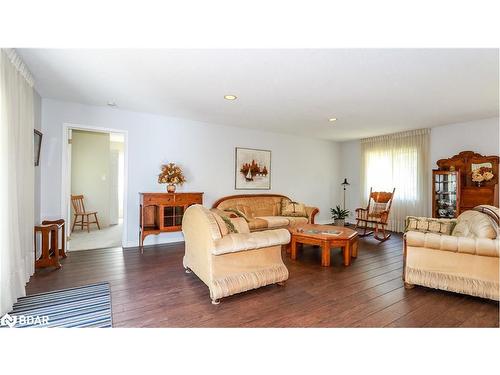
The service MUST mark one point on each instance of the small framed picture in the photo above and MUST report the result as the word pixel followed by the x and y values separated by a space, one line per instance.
pixel 252 169
pixel 37 146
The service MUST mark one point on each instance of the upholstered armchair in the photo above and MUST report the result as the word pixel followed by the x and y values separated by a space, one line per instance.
pixel 459 255
pixel 231 262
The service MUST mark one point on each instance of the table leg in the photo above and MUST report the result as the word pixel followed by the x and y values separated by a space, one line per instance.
pixel 55 236
pixel 62 253
pixel 293 249
pixel 347 254
pixel 354 252
pixel 325 254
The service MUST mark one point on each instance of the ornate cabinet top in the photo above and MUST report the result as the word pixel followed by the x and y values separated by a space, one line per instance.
pixel 468 161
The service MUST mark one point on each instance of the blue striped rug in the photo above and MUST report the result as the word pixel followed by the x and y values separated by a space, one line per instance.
pixel 85 306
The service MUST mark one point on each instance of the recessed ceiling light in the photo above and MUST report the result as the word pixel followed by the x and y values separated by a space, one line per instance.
pixel 112 104
pixel 230 97
pixel 332 119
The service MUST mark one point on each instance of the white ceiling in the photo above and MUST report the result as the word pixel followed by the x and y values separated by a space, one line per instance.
pixel 370 91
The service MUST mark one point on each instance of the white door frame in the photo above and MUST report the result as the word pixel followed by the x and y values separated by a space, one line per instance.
pixel 65 170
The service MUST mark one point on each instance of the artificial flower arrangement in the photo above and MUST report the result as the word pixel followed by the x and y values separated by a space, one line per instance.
pixel 482 174
pixel 172 175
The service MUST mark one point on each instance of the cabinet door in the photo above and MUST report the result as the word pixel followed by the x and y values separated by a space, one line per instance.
pixel 179 213
pixel 167 217
pixel 446 190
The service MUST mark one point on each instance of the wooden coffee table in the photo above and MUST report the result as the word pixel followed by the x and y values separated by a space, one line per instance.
pixel 347 239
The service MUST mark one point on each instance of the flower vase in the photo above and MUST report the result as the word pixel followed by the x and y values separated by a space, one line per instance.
pixel 171 188
pixel 479 183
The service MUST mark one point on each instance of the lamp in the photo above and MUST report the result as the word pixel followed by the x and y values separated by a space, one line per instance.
pixel 345 184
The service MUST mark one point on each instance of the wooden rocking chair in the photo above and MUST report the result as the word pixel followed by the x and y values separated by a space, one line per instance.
pixel 374 217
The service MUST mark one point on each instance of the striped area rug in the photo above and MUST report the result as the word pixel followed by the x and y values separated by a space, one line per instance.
pixel 85 306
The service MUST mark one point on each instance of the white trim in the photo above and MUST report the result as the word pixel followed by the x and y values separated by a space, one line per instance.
pixel 65 200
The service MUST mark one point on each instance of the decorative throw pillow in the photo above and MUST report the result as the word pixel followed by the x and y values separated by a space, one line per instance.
pixel 284 202
pixel 229 224
pixel 224 213
pixel 425 224
pixel 377 208
pixel 240 224
pixel 462 229
pixel 224 223
pixel 239 213
pixel 294 209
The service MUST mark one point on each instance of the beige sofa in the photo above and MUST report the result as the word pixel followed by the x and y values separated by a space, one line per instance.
pixel 263 211
pixel 230 263
pixel 465 261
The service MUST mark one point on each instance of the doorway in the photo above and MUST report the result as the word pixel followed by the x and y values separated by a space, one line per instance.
pixel 95 176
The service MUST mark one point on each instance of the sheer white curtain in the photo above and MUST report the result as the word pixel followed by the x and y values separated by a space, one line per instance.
pixel 16 178
pixel 398 161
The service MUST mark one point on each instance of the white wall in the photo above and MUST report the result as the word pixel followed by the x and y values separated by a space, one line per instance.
pixel 481 136
pixel 90 172
pixel 305 169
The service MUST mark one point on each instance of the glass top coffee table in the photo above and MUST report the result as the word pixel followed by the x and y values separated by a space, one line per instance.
pixel 326 237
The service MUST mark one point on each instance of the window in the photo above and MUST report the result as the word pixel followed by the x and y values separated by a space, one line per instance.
pixel 388 169
pixel 398 161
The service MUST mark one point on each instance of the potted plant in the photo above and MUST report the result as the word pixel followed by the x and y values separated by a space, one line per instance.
pixel 339 215
pixel 172 175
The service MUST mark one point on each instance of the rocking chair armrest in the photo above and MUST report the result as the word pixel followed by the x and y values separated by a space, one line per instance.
pixel 360 209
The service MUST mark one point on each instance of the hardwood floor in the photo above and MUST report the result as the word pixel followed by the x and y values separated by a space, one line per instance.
pixel 152 290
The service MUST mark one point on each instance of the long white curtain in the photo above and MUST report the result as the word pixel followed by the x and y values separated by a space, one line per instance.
pixel 398 161
pixel 16 178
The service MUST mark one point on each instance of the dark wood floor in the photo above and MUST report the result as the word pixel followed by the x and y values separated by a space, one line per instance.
pixel 152 290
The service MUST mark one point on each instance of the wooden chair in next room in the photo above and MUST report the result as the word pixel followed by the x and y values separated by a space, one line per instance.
pixel 79 208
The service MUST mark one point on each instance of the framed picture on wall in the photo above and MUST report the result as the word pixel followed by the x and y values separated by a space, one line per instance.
pixel 37 146
pixel 252 169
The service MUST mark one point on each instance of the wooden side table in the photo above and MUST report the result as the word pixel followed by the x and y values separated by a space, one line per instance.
pixel 51 252
pixel 163 212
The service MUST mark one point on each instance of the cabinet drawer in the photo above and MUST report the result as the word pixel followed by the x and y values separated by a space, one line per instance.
pixel 185 199
pixel 163 200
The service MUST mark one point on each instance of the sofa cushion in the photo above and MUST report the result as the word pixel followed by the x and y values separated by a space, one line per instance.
pixel 275 221
pixel 296 220
pixel 474 224
pixel 257 224
pixel 294 209
pixel 477 246
pixel 235 242
pixel 425 224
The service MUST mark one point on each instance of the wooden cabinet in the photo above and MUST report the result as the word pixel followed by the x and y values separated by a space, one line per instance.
pixel 162 212
pixel 445 194
pixel 469 194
